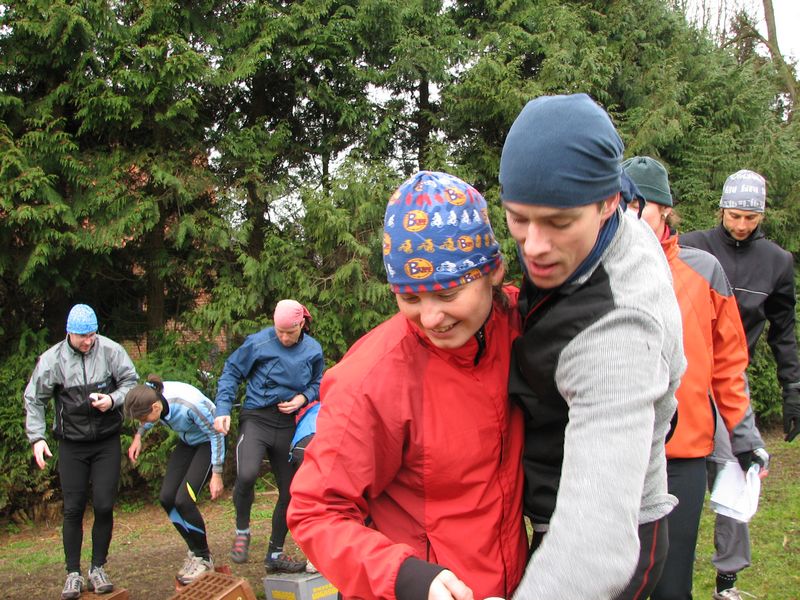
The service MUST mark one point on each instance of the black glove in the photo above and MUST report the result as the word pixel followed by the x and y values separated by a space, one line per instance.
pixel 745 460
pixel 791 413
pixel 761 458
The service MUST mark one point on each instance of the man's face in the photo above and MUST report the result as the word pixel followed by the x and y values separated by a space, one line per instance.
pixel 740 223
pixel 289 337
pixel 655 215
pixel 554 241
pixel 82 341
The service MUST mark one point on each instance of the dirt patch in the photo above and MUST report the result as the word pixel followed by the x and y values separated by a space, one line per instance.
pixel 145 553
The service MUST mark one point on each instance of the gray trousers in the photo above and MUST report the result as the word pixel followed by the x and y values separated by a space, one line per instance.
pixel 731 537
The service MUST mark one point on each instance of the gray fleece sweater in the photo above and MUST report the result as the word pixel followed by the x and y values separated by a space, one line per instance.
pixel 596 372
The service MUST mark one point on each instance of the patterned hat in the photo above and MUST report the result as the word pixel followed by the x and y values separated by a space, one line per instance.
pixel 437 235
pixel 744 190
pixel 81 320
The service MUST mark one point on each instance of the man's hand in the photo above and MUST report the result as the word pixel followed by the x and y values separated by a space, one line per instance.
pixel 215 486
pixel 222 424
pixel 446 586
pixel 135 449
pixel 791 414
pixel 40 450
pixel 761 458
pixel 101 402
pixel 292 405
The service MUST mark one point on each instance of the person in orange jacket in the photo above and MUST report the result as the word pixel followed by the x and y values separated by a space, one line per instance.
pixel 412 485
pixel 716 354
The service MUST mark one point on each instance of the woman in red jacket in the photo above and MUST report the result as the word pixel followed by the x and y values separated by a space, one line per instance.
pixel 412 487
pixel 716 357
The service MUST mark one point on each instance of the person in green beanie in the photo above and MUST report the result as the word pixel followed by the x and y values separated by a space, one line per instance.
pixel 716 353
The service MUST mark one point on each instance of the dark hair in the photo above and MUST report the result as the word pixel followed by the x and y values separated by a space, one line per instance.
pixel 139 400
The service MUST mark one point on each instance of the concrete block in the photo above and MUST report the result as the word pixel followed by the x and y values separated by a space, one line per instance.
pixel 298 586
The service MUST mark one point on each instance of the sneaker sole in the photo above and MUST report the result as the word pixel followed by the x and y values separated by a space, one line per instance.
pixel 239 559
pixel 185 581
pixel 276 569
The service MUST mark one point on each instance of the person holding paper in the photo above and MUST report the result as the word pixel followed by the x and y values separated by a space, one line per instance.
pixel 716 353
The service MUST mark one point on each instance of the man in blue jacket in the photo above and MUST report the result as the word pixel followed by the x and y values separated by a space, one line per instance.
pixel 283 367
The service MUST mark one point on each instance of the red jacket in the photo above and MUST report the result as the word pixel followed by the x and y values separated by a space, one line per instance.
pixel 417 454
pixel 715 348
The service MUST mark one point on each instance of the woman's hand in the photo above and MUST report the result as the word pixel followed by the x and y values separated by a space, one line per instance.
pixel 215 486
pixel 135 449
pixel 292 405
pixel 446 586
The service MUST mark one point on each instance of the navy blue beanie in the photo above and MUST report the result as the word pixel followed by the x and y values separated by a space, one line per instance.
pixel 561 151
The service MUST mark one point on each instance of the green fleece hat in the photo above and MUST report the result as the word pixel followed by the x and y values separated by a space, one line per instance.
pixel 650 177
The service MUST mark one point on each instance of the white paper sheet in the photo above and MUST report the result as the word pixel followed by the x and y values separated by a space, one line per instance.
pixel 735 494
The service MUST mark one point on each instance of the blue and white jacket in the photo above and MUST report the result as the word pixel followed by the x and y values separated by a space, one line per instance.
pixel 274 373
pixel 191 416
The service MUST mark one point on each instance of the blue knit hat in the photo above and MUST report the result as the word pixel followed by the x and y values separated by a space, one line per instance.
pixel 81 320
pixel 437 235
pixel 744 190
pixel 561 151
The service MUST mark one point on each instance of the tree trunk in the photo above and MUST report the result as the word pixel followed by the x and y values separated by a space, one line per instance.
pixel 155 282
pixel 786 72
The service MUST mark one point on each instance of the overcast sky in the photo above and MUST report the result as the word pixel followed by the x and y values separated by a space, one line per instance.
pixel 787 19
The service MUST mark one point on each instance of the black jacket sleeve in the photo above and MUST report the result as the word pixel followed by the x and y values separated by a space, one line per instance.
pixel 780 312
pixel 414 579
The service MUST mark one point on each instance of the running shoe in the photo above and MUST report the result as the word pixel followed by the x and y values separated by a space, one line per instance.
pixel 195 569
pixel 72 587
pixel 99 581
pixel 241 548
pixel 284 563
pixel 731 594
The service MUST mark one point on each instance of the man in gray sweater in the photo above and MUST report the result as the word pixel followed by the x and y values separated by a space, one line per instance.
pixel 599 360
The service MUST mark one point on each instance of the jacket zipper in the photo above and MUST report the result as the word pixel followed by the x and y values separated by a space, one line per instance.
pixel 85 387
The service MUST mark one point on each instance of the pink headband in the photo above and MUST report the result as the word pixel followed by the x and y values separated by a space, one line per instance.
pixel 289 314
